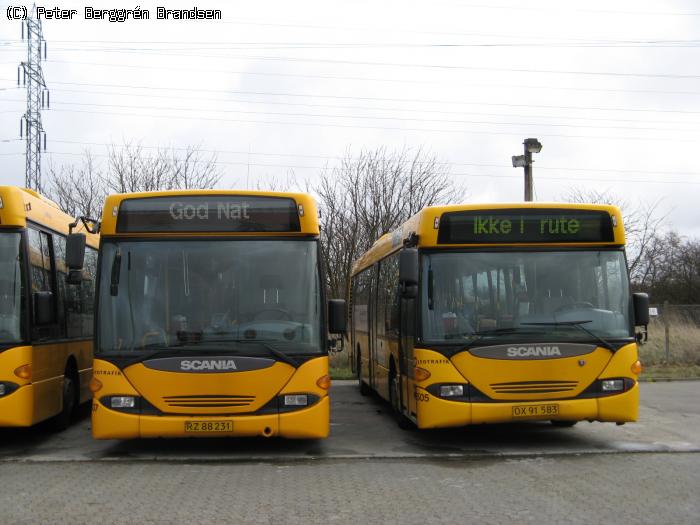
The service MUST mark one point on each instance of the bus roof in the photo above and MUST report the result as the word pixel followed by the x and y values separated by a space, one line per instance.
pixel 227 202
pixel 21 205
pixel 427 224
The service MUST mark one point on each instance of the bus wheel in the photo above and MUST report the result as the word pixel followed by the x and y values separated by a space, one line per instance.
pixel 563 423
pixel 394 400
pixel 70 401
pixel 364 388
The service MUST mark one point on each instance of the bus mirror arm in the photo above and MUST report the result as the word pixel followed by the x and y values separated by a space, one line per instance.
pixel 641 315
pixel 643 336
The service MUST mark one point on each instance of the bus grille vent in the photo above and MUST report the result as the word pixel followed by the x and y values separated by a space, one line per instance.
pixel 534 387
pixel 209 401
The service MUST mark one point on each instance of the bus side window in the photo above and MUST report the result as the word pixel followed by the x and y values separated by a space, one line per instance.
pixel 67 313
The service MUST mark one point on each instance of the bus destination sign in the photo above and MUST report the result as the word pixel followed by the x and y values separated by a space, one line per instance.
pixel 525 226
pixel 208 213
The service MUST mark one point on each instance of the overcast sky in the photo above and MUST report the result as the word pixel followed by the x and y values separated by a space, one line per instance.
pixel 611 89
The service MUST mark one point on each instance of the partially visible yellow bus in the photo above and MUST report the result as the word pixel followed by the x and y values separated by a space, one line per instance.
pixel 211 317
pixel 45 323
pixel 500 312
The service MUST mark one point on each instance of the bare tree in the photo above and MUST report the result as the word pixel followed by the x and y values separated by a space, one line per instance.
pixel 370 194
pixel 673 272
pixel 78 190
pixel 81 189
pixel 131 170
pixel 642 228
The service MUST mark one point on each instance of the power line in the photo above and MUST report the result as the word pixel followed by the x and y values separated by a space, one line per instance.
pixel 367 108
pixel 336 157
pixel 362 126
pixel 397 80
pixel 385 99
pixel 400 119
pixel 480 175
pixel 340 158
pixel 438 66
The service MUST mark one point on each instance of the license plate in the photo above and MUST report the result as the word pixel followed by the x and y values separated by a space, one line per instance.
pixel 535 410
pixel 208 426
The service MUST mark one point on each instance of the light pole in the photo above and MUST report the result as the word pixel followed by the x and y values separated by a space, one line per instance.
pixel 525 161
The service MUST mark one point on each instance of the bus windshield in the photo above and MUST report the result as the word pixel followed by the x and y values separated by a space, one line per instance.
pixel 10 288
pixel 526 295
pixel 209 296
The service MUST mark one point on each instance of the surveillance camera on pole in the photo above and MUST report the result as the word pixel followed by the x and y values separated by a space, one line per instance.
pixel 525 161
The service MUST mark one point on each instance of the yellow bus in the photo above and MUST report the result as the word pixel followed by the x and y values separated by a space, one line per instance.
pixel 495 313
pixel 211 317
pixel 45 322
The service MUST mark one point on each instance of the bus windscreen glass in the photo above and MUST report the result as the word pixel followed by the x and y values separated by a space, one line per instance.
pixel 208 213
pixel 525 226
pixel 11 278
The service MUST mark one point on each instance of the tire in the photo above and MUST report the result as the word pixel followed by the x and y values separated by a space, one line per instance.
pixel 364 387
pixel 563 423
pixel 394 399
pixel 69 401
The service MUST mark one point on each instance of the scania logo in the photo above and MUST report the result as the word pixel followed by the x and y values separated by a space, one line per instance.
pixel 207 364
pixel 533 351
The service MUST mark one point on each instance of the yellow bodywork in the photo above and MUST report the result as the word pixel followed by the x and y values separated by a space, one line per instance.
pixel 264 385
pixel 308 221
pixel 39 396
pixel 464 368
pixel 429 411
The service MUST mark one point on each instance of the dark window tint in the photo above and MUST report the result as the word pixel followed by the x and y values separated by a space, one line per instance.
pixel 39 260
pixel 76 307
pixel 387 297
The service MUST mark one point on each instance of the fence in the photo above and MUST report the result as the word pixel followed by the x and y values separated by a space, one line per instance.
pixel 674 335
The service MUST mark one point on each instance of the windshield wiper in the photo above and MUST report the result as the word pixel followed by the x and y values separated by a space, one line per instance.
pixel 579 325
pixel 478 336
pixel 271 349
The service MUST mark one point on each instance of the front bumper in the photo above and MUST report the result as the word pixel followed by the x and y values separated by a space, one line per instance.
pixel 440 413
pixel 308 423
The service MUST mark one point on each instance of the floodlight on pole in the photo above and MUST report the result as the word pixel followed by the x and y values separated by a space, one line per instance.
pixel 519 161
pixel 532 145
pixel 525 161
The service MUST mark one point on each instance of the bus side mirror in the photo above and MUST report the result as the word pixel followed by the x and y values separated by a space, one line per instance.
pixel 75 257
pixel 43 308
pixel 337 316
pixel 408 272
pixel 641 309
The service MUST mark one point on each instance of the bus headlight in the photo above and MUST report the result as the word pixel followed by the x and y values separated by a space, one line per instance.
pixel 6 388
pixel 122 402
pixel 612 385
pixel 296 400
pixel 451 391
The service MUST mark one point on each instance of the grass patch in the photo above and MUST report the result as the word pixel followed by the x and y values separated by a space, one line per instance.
pixel 669 372
pixel 341 373
pixel 340 365
pixel 684 344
